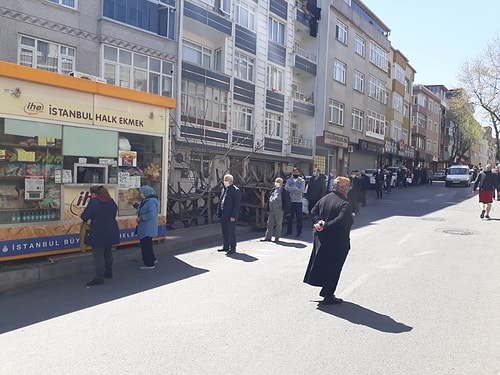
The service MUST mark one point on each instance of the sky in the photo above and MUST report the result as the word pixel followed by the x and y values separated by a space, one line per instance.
pixel 437 36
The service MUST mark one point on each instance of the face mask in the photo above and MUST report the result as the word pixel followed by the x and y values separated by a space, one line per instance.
pixel 314 174
pixel 295 176
pixel 277 184
pixel 226 184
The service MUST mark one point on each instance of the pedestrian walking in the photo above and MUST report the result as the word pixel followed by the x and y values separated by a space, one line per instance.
pixel 101 211
pixel 147 225
pixel 295 186
pixel 487 183
pixel 365 185
pixel 228 210
pixel 332 221
pixel 316 188
pixel 277 204
pixel 355 191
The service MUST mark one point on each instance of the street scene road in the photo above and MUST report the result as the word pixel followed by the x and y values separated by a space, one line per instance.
pixel 420 288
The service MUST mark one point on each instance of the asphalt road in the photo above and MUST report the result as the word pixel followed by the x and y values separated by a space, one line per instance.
pixel 420 287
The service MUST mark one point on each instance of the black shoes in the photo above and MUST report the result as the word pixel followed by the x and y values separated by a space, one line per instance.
pixel 95 282
pixel 230 252
pixel 265 240
pixel 482 214
pixel 221 250
pixel 331 301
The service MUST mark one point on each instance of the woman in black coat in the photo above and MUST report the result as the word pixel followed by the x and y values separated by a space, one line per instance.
pixel 101 211
pixel 332 221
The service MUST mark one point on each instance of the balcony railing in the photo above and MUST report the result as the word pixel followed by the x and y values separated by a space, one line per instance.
pixel 301 142
pixel 303 53
pixel 302 97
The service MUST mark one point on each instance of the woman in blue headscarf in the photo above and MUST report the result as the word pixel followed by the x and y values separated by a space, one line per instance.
pixel 147 225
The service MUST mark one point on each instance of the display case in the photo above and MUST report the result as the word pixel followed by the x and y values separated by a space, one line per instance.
pixel 28 191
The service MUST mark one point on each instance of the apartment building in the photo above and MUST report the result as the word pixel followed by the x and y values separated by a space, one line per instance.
pixel 426 128
pixel 261 86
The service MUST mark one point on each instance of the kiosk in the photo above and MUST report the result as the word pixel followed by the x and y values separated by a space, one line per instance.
pixel 60 135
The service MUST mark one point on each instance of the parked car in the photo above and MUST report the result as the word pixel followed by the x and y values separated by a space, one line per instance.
pixel 440 175
pixel 458 175
pixel 370 173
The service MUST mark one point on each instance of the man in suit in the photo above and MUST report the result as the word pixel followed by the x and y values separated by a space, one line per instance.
pixel 332 221
pixel 227 211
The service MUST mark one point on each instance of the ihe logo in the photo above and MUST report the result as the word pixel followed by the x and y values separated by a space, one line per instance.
pixel 33 108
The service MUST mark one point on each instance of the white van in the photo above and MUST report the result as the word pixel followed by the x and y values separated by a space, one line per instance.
pixel 458 175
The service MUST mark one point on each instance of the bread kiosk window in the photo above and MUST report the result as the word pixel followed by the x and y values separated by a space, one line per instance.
pixel 30 159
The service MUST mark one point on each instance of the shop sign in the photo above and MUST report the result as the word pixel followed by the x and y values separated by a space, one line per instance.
pixel 371 147
pixel 76 199
pixel 41 102
pixel 335 139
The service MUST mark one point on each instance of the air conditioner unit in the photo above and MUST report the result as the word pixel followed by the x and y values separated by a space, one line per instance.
pixel 87 76
pixel 350 148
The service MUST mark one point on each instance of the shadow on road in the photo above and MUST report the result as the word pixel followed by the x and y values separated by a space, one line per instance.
pixel 242 256
pixel 65 295
pixel 361 315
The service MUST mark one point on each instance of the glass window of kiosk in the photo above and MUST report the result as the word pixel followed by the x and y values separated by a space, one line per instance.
pixel 30 161
pixel 115 158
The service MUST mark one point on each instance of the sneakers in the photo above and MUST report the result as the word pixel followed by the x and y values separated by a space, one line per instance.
pixel 487 217
pixel 482 214
pixel 147 267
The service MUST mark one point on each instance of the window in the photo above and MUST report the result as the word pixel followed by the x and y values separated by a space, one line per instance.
pixel 406 110
pixel 272 125
pixel 399 74
pixel 357 119
pixel 396 130
pixel 274 78
pixel 203 105
pixel 139 72
pixel 68 3
pixel 244 66
pixel 341 32
pixel 336 112
pixel 243 118
pixel 339 69
pixel 276 31
pixel 397 102
pixel 44 55
pixel 375 125
pixel 245 14
pixel 197 54
pixel 359 81
pixel 378 56
pixel 377 90
pixel 428 146
pixel 359 45
pixel 156 16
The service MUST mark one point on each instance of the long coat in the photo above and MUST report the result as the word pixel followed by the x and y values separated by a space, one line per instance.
pixel 147 210
pixel 331 245
pixel 103 226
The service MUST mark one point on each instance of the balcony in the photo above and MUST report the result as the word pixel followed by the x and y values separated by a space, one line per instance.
pixel 305 54
pixel 298 96
pixel 301 146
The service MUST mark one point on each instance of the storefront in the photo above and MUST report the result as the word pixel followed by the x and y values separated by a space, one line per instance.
pixel 60 135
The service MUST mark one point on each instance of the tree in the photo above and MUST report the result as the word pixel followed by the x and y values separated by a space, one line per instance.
pixel 480 77
pixel 464 128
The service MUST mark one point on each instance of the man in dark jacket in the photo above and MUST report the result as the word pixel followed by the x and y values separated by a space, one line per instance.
pixel 332 221
pixel 379 182
pixel 365 185
pixel 228 210
pixel 316 188
pixel 277 204
pixel 487 183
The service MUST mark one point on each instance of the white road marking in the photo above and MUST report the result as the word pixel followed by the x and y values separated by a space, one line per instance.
pixel 360 280
pixel 404 239
pixel 425 253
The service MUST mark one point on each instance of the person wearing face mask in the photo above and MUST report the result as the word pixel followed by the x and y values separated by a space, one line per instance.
pixel 227 211
pixel 147 225
pixel 295 186
pixel 316 188
pixel 379 182
pixel 277 204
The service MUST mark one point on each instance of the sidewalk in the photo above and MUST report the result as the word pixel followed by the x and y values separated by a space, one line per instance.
pixel 66 264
